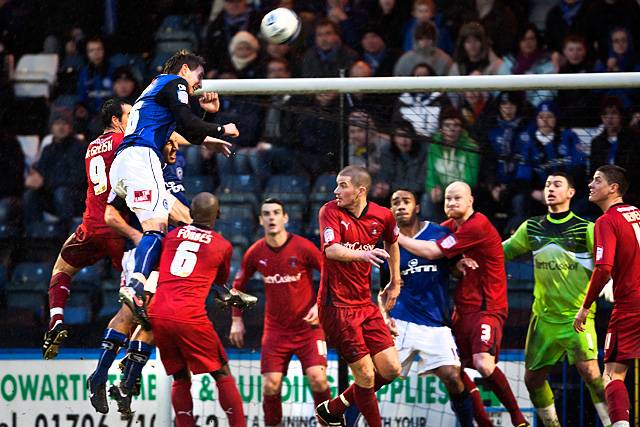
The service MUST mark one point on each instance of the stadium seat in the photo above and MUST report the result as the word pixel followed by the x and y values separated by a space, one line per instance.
pixel 110 304
pixel 197 184
pixel 238 189
pixel 314 226
pixel 243 211
pixel 35 75
pixel 133 62
pixel 288 188
pixel 43 240
pixel 26 299
pixel 296 211
pixel 30 145
pixel 193 160
pixel 322 191
pixel 157 64
pixel 295 226
pixel 31 275
pixel 237 231
pixel 89 276
pixel 520 275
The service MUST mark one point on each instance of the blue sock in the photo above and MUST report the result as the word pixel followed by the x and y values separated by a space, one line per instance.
pixel 148 252
pixel 462 406
pixel 137 357
pixel 112 340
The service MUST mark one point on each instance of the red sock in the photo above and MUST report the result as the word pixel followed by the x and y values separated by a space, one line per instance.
pixel 321 396
pixel 230 400
pixel 58 295
pixel 272 408
pixel 618 401
pixel 479 412
pixel 501 388
pixel 182 403
pixel 337 404
pixel 368 405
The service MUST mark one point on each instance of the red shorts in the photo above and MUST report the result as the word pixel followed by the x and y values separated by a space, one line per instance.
pixel 82 249
pixel 278 346
pixel 479 332
pixel 355 332
pixel 622 342
pixel 195 347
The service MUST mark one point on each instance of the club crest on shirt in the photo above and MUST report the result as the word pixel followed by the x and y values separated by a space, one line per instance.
pixel 449 242
pixel 375 229
pixel 293 262
pixel 140 196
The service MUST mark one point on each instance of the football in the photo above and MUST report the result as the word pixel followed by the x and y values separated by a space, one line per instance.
pixel 280 26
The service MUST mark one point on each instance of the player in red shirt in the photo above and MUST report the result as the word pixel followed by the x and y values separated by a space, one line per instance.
pixel 291 324
pixel 93 239
pixel 617 257
pixel 193 257
pixel 481 296
pixel 350 229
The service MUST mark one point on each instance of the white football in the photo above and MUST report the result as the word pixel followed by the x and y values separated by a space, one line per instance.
pixel 280 26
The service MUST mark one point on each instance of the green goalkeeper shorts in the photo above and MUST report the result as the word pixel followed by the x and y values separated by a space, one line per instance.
pixel 547 343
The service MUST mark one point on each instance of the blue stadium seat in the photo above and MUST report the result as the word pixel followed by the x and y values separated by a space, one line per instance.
pixel 89 276
pixel 238 189
pixel 157 63
pixel 79 307
pixel 296 211
pixel 242 211
pixel 295 226
pixel 110 304
pixel 133 62
pixel 288 188
pixel 193 159
pixel 314 227
pixel 197 183
pixel 27 299
pixel 520 275
pixel 237 231
pixel 8 232
pixel 323 187
pixel 31 275
pixel 45 231
pixel 43 240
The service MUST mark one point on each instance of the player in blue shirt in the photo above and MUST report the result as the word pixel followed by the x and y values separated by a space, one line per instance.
pixel 136 172
pixel 421 317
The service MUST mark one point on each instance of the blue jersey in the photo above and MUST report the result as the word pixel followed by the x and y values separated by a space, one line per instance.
pixel 173 178
pixel 424 298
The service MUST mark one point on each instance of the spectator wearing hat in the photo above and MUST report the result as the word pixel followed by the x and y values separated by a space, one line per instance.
pixel 402 164
pixel 473 52
pixel 376 53
pixel 452 156
pixel 125 85
pixel 56 183
pixel 94 80
pixel 244 56
pixel 617 144
pixel 424 52
pixel 498 19
pixel 545 148
pixel 329 55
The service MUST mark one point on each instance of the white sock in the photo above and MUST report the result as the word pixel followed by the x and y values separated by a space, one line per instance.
pixel 621 424
pixel 549 416
pixel 56 310
pixel 603 413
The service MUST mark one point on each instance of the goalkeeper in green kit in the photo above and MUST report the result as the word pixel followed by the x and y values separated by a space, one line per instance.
pixel 562 248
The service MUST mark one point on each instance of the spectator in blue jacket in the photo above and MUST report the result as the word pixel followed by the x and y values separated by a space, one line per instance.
pixel 94 80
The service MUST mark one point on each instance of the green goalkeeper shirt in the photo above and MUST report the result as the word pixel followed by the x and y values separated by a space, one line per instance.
pixel 562 263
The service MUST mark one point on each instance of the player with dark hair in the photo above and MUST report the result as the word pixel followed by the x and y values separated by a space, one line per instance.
pixel 286 262
pixel 193 257
pixel 617 257
pixel 562 247
pixel 351 227
pixel 136 174
pixel 93 239
pixel 481 296
pixel 421 318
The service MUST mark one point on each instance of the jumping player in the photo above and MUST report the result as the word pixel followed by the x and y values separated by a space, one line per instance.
pixel 562 247
pixel 421 317
pixel 136 174
pixel 351 227
pixel 93 239
pixel 617 253
pixel 286 262
pixel 193 257
pixel 481 296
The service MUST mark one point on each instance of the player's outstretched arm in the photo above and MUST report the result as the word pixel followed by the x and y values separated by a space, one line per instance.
pixel 599 278
pixel 421 248
pixel 114 219
pixel 375 257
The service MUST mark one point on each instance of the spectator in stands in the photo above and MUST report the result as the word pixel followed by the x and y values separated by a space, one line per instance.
pixel 452 156
pixel 348 18
pixel 70 65
pixel 12 185
pixel 57 181
pixel 94 80
pixel 473 104
pixel 543 149
pixel 388 16
pixel 634 123
pixel 498 20
pixel 530 57
pixel 365 142
pixel 244 51
pixel 378 105
pixel 402 164
pixel 424 11
pixel 580 105
pixel 617 144
pixel 287 52
pixel 606 15
pixel 421 109
pixel 376 53
pixel 622 57
pixel 424 52
pixel 329 55
pixel 236 16
pixel 125 85
pixel 473 52
pixel 565 18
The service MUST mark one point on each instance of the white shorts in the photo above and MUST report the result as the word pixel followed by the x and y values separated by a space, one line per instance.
pixel 434 346
pixel 136 176
pixel 128 264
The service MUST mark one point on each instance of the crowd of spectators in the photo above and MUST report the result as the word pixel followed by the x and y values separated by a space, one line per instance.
pixel 502 144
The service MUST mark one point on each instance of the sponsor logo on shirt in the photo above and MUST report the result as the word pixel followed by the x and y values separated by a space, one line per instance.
pixel 328 235
pixel 555 266
pixel 346 224
pixel 140 196
pixel 357 246
pixel 282 278
pixel 449 242
pixel 599 253
pixel 415 268
pixel 263 262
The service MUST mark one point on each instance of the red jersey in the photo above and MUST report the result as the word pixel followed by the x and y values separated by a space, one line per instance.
pixel 617 243
pixel 485 288
pixel 286 274
pixel 193 258
pixel 97 162
pixel 348 284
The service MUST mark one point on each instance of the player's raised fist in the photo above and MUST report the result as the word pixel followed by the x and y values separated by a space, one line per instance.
pixel 209 102
pixel 231 130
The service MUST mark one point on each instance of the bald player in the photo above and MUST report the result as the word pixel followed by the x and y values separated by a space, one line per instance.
pixel 193 257
pixel 480 300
